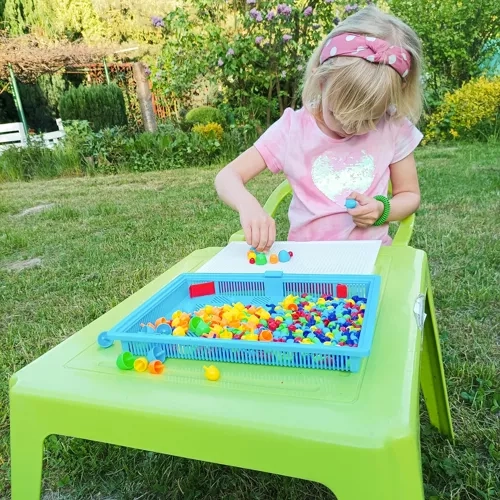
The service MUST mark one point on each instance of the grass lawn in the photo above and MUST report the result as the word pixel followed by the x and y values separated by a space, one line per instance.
pixel 106 237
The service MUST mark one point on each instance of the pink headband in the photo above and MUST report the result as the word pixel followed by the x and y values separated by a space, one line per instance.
pixel 369 48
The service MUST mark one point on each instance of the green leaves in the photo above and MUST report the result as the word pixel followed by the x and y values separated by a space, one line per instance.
pixel 204 115
pixel 455 36
pixel 100 105
pixel 245 56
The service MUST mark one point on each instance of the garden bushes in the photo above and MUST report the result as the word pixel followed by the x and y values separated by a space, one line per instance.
pixel 471 112
pixel 116 150
pixel 210 130
pixel 102 106
pixel 205 115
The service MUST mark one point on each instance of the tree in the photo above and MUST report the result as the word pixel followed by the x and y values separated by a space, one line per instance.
pixel 255 52
pixel 144 96
pixel 455 36
pixel 89 20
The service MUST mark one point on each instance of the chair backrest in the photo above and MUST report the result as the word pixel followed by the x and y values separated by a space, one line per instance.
pixel 50 139
pixel 12 134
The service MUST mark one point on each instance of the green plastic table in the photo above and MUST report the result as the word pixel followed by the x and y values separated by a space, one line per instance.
pixel 294 422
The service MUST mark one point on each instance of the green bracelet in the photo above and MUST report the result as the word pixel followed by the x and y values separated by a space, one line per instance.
pixel 387 208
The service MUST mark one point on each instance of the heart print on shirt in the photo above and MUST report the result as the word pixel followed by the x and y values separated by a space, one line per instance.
pixel 338 176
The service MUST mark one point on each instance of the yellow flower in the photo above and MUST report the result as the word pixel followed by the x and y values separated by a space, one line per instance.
pixel 211 130
pixel 466 109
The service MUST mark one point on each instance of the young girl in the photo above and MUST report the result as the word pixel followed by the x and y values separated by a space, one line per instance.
pixel 361 95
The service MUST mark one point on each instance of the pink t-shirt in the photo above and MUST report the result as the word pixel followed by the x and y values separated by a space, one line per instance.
pixel 324 171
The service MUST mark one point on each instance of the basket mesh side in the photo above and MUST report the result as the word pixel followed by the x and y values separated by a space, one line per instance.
pixel 324 289
pixel 236 355
pixel 241 288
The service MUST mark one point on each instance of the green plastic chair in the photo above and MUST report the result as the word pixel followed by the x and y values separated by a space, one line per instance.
pixel 402 237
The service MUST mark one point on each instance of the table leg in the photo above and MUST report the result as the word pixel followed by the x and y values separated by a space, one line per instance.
pixel 26 444
pixel 393 472
pixel 432 377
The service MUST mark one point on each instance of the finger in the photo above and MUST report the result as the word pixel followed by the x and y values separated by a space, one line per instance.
pixel 364 217
pixel 361 198
pixel 361 211
pixel 364 220
pixel 264 236
pixel 255 235
pixel 362 225
pixel 272 235
pixel 371 216
pixel 247 231
pixel 367 221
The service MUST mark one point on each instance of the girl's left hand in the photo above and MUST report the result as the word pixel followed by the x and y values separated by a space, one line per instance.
pixel 367 212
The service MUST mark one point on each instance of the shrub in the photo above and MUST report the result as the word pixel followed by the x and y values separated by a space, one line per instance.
pixel 205 115
pixel 115 150
pixel 252 52
pixel 102 106
pixel 471 112
pixel 456 37
pixel 211 130
pixel 36 109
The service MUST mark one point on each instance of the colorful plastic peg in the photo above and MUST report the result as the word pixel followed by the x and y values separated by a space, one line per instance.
pixel 284 256
pixel 261 259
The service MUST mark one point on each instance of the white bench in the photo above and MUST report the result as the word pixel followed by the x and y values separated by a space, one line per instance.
pixel 52 138
pixel 12 135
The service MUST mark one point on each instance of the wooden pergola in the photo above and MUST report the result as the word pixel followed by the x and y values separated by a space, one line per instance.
pixel 29 57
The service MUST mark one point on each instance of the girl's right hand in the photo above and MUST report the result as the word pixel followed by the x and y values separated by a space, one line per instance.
pixel 259 227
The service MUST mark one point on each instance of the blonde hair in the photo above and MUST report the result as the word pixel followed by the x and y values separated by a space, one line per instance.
pixel 362 92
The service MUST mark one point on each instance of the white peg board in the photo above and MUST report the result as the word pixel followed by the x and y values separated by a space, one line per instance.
pixel 323 257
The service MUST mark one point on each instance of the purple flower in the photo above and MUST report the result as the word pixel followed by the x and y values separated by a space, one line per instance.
pixel 251 2
pixel 300 67
pixel 283 74
pixel 316 26
pixel 270 15
pixel 157 22
pixel 329 1
pixel 287 38
pixel 351 8
pixel 284 9
pixel 230 52
pixel 255 14
pixel 258 40
pixel 308 11
pixel 220 62
pixel 147 71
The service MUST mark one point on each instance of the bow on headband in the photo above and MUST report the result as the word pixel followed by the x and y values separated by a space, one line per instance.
pixel 369 48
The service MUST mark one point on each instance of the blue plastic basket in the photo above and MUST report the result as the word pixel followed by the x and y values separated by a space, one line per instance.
pixel 270 287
